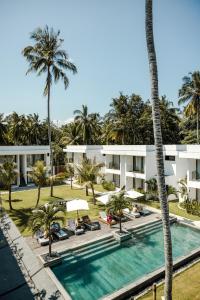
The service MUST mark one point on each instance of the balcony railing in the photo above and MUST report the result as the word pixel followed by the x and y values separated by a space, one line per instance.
pixel 69 160
pixel 195 175
pixel 114 166
pixel 136 170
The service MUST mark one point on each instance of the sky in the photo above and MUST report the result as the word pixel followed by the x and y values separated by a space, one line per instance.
pixel 106 41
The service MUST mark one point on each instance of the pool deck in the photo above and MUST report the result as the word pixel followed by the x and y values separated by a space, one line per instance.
pixel 74 241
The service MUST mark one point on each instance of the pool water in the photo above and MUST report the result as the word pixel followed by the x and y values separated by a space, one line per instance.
pixel 109 271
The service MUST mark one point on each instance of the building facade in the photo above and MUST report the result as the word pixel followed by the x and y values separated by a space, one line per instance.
pixel 132 165
pixel 24 158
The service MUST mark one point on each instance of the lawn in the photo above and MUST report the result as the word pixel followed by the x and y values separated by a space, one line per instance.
pixel 174 209
pixel 24 201
pixel 185 286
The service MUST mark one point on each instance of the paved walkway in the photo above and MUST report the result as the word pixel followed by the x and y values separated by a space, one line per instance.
pixel 38 274
pixel 74 241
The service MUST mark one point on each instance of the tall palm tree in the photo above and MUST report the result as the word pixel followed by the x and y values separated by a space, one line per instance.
pixel 87 124
pixel 8 175
pixel 190 94
pixel 3 130
pixel 88 172
pixel 47 57
pixel 43 217
pixel 69 169
pixel 117 202
pixel 159 150
pixel 39 177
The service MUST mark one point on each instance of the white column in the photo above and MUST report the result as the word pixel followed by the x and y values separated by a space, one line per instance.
pixel 18 170
pixel 122 171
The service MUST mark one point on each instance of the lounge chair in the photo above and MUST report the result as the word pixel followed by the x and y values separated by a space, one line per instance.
pixel 58 232
pixel 131 214
pixel 77 230
pixel 41 239
pixel 89 224
pixel 144 212
pixel 103 218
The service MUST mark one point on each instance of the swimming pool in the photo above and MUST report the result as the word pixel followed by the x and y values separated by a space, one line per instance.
pixel 101 268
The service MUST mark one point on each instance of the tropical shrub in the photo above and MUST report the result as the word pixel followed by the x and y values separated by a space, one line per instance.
pixel 108 185
pixel 192 207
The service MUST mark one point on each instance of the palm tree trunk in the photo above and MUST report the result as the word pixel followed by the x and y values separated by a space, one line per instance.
pixel 38 196
pixel 49 130
pixel 159 152
pixel 50 242
pixel 93 194
pixel 9 198
pixel 71 182
pixel 197 122
pixel 120 224
pixel 86 191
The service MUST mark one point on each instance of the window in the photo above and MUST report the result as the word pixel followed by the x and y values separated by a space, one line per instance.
pixel 170 157
pixel 116 180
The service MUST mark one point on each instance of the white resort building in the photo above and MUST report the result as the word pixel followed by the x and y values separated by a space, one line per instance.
pixel 25 158
pixel 132 165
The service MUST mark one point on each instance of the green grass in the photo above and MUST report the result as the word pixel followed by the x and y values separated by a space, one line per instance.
pixel 185 286
pixel 174 209
pixel 23 203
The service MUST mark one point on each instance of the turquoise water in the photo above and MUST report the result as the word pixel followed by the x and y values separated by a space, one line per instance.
pixel 125 263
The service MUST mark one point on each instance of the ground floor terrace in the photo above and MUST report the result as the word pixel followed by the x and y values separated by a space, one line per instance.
pixel 23 203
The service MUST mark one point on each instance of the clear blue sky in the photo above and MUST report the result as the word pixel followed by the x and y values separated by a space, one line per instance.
pixel 106 40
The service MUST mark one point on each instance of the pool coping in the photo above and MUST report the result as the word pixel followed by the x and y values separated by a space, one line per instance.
pixel 136 287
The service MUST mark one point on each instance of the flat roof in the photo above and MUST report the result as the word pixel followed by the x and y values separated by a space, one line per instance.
pixel 15 150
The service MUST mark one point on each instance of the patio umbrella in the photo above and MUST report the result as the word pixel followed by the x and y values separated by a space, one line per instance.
pixel 133 194
pixel 77 204
pixel 105 197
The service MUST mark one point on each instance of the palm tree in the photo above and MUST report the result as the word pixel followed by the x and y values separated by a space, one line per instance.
pixel 118 202
pixel 43 218
pixel 47 57
pixel 69 169
pixel 159 151
pixel 190 94
pixel 183 189
pixel 3 130
pixel 8 175
pixel 87 125
pixel 88 172
pixel 39 177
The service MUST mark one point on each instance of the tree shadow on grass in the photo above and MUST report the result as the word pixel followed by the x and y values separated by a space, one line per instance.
pixel 13 200
pixel 21 217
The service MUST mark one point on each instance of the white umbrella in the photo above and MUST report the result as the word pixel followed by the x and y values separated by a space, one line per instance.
pixel 104 198
pixel 77 204
pixel 133 194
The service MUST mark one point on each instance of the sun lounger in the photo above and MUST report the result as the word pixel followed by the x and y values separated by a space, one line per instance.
pixel 41 239
pixel 58 232
pixel 77 230
pixel 145 212
pixel 89 224
pixel 131 214
pixel 103 218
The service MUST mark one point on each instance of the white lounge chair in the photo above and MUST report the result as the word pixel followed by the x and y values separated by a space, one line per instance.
pixel 131 214
pixel 77 230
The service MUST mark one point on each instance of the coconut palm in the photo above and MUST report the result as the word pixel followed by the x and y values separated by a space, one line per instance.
pixel 39 177
pixel 43 217
pixel 190 94
pixel 183 189
pixel 8 175
pixel 47 57
pixel 88 126
pixel 117 202
pixel 88 172
pixel 69 169
pixel 159 150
